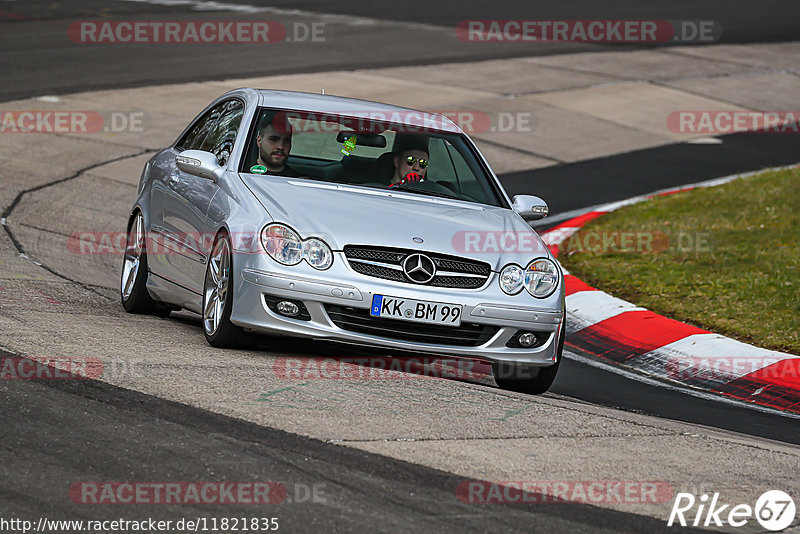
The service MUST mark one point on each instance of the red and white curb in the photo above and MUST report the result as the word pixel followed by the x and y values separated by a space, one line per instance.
pixel 629 336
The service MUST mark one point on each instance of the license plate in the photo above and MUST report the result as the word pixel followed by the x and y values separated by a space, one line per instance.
pixel 420 311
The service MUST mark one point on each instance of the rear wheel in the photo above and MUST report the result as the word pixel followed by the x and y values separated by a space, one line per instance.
pixel 133 279
pixel 527 378
pixel 218 297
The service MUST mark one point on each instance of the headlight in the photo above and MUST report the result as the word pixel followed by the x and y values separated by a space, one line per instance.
pixel 282 244
pixel 317 253
pixel 285 246
pixel 541 278
pixel 512 279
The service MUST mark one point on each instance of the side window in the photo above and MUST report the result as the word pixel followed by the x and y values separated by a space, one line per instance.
pixel 449 168
pixel 441 168
pixel 221 139
pixel 193 139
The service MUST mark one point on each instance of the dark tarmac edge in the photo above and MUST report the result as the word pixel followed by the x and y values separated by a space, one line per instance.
pixel 586 183
pixel 667 400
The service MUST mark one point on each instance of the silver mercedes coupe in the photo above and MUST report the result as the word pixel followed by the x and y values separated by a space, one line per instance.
pixel 315 216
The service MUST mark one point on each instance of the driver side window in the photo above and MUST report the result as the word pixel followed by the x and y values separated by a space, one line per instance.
pixel 221 140
pixel 215 131
pixel 193 139
pixel 448 168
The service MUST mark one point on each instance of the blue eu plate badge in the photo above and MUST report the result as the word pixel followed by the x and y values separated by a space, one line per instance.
pixel 377 300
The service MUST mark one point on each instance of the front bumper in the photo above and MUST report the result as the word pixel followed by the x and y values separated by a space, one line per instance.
pixel 257 276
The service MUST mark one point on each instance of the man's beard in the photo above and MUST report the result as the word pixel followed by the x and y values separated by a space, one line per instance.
pixel 274 159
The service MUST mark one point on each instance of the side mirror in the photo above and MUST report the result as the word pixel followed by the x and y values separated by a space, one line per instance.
pixel 199 163
pixel 530 208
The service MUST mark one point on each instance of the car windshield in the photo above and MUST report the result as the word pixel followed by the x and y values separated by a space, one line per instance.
pixel 369 151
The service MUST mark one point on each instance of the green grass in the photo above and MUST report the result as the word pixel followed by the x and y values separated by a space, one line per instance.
pixel 744 279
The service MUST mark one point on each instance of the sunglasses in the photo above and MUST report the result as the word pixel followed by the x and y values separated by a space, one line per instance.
pixel 411 160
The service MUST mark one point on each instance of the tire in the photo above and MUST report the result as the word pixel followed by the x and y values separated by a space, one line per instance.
pixel 218 297
pixel 527 378
pixel 133 278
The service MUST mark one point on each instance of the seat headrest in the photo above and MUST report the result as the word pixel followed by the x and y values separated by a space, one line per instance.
pixel 385 166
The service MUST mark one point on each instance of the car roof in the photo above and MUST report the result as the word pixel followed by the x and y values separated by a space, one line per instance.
pixel 353 107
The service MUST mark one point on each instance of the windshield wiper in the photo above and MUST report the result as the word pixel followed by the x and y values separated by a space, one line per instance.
pixel 423 192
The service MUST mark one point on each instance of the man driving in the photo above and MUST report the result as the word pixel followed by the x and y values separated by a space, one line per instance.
pixel 411 163
pixel 274 142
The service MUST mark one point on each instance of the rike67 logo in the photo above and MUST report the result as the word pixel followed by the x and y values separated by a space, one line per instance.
pixel 774 511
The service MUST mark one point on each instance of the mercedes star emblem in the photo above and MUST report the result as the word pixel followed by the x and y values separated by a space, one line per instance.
pixel 419 268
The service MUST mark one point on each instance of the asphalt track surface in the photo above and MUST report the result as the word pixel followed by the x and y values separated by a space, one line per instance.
pixel 93 425
pixel 356 490
pixel 39 58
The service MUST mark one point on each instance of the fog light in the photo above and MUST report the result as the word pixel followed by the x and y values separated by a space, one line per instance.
pixel 526 339
pixel 288 308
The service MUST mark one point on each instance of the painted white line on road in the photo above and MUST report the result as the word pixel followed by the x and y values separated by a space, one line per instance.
pixel 704 141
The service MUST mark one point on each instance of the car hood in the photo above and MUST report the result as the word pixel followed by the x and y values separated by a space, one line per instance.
pixel 351 215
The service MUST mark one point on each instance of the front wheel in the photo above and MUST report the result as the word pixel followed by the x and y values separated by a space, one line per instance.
pixel 526 378
pixel 218 297
pixel 133 279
